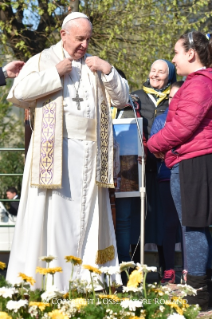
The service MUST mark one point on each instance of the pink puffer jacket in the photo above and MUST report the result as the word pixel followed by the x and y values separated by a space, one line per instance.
pixel 188 129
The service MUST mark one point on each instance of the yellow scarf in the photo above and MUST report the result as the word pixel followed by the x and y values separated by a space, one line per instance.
pixel 162 95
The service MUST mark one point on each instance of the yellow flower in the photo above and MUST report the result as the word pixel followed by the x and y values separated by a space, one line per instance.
pixel 4 315
pixel 112 297
pixel 52 271
pixel 2 265
pixel 73 260
pixel 135 278
pixel 66 295
pixel 178 300
pixel 174 305
pixel 57 314
pixel 92 269
pixel 79 302
pixel 26 278
pixel 41 270
pixel 159 291
pixel 40 305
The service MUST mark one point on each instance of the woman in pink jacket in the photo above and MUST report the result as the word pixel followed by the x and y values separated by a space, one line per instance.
pixel 185 143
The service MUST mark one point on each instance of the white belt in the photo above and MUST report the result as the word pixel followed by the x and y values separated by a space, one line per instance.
pixel 79 128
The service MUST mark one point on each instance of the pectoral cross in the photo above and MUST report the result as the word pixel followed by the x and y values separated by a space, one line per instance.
pixel 77 99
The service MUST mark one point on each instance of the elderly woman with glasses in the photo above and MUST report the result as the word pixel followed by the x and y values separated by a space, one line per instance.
pixel 153 101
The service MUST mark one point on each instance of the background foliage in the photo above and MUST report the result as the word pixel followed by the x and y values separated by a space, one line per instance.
pixel 11 135
pixel 130 34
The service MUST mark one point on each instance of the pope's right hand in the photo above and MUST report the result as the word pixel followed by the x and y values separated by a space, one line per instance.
pixel 64 67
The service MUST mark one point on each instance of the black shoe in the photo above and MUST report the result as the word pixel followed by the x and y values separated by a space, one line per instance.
pixel 202 297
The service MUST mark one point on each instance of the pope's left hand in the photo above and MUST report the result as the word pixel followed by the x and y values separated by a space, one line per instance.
pixel 96 64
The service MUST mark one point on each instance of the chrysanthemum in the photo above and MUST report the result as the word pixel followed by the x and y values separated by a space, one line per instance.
pixel 16 305
pixel 47 259
pixel 2 265
pixel 125 265
pixel 27 279
pixel 145 268
pixel 40 305
pixel 112 297
pixel 92 269
pixel 52 271
pixel 41 270
pixel 4 315
pixel 175 306
pixel 79 302
pixel 175 316
pixel 112 270
pixel 57 314
pixel 135 278
pixel 73 260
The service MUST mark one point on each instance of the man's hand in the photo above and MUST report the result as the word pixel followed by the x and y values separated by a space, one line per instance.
pixel 140 159
pixel 13 68
pixel 64 67
pixel 96 64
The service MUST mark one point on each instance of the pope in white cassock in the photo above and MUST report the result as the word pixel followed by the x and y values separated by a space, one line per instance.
pixel 64 208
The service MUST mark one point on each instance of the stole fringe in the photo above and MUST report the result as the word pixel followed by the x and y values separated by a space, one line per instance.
pixel 50 186
pixel 105 185
pixel 105 255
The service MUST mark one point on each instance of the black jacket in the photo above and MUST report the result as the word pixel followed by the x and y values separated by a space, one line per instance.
pixel 13 210
pixel 148 110
pixel 2 78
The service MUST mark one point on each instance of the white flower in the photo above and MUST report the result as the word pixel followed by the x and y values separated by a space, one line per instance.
pixel 187 290
pixel 15 305
pixel 7 292
pixel 145 268
pixel 175 316
pixel 162 308
pixel 151 286
pixel 134 289
pixel 131 304
pixel 51 293
pixel 125 265
pixel 33 311
pixel 110 270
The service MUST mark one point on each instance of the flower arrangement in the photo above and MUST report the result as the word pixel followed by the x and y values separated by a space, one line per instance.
pixel 137 299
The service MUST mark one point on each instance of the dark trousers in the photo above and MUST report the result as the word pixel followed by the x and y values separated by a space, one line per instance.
pixel 171 224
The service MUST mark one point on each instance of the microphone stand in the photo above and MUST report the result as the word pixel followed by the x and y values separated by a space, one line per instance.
pixel 142 188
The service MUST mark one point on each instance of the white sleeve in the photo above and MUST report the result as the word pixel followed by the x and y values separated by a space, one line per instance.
pixel 38 84
pixel 117 88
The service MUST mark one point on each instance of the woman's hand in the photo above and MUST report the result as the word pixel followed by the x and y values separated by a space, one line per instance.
pixel 159 155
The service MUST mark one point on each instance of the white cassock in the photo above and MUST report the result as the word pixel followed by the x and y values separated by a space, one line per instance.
pixel 63 221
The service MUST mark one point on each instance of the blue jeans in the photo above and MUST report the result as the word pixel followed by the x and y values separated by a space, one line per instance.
pixel 123 224
pixel 197 241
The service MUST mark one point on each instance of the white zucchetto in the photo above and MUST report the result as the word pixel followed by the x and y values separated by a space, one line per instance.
pixel 72 16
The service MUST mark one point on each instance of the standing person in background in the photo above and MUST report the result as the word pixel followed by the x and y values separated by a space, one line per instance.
pixel 170 217
pixel 153 101
pixel 186 143
pixel 11 70
pixel 12 194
